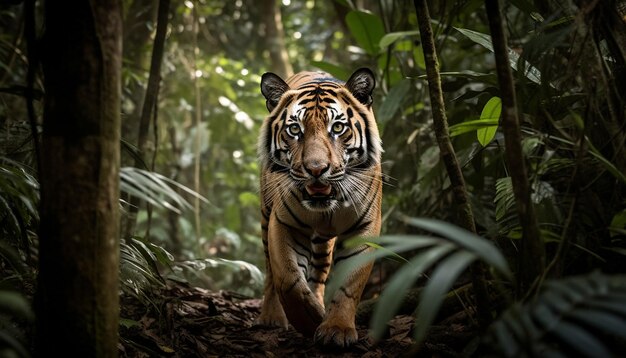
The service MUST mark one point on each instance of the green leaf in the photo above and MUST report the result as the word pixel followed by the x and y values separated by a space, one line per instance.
pixel 484 249
pixel 391 298
pixel 505 198
pixel 618 223
pixel 392 102
pixel 367 29
pixel 440 282
pixel 602 321
pixel 396 243
pixel 392 37
pixel 532 73
pixel 581 340
pixel 470 126
pixel 418 54
pixel 491 112
pixel 607 164
pixel 14 304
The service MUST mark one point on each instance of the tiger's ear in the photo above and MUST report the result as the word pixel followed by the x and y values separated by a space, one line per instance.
pixel 272 87
pixel 361 84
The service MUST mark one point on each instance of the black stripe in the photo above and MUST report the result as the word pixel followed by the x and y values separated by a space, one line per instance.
pixel 321 267
pixel 358 223
pixel 306 256
pixel 304 267
pixel 289 226
pixel 359 129
pixel 293 215
pixel 321 255
pixel 275 167
pixel 368 136
pixel 320 239
pixel 321 282
pixel 345 292
pixel 292 285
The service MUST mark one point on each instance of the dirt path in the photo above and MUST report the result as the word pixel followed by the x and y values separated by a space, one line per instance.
pixel 198 323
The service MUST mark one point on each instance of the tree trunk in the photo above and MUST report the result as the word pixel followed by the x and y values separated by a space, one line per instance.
pixel 137 33
pixel 448 156
pixel 77 299
pixel 275 37
pixel 149 108
pixel 532 257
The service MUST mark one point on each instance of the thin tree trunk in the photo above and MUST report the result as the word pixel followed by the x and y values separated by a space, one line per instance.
pixel 532 255
pixel 77 298
pixel 448 155
pixel 197 122
pixel 275 37
pixel 148 112
pixel 137 37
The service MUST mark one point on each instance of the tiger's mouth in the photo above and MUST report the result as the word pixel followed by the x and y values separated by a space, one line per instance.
pixel 319 195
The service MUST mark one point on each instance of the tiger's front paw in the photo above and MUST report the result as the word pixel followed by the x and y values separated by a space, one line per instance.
pixel 339 335
pixel 273 317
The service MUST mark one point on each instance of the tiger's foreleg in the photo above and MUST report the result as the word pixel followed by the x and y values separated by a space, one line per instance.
pixel 319 265
pixel 272 313
pixel 338 327
pixel 300 304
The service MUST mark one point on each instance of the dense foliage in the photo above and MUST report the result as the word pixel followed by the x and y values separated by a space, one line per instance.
pixel 199 217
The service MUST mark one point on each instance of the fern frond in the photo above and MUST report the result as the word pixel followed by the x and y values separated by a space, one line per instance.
pixel 576 316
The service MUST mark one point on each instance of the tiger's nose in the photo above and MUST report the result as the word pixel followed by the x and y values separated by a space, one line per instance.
pixel 316 168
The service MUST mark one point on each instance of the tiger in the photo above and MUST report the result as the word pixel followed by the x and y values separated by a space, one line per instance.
pixel 320 184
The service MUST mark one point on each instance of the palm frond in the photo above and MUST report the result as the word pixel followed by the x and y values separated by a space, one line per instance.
pixel 249 278
pixel 139 273
pixel 156 189
pixel 576 316
pixel 449 255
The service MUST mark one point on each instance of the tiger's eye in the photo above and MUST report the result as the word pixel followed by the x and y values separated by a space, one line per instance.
pixel 294 129
pixel 337 128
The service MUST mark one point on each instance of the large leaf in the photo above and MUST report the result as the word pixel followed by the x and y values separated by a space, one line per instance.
pixel 491 112
pixel 391 245
pixel 393 101
pixel 402 280
pixel 441 281
pixel 532 73
pixel 483 248
pixel 392 37
pixel 449 256
pixel 367 29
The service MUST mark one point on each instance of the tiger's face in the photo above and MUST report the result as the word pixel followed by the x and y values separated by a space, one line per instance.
pixel 320 138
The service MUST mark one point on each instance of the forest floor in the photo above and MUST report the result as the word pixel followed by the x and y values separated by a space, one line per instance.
pixel 193 322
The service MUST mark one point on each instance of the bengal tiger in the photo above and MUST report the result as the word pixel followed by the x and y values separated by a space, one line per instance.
pixel 321 183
